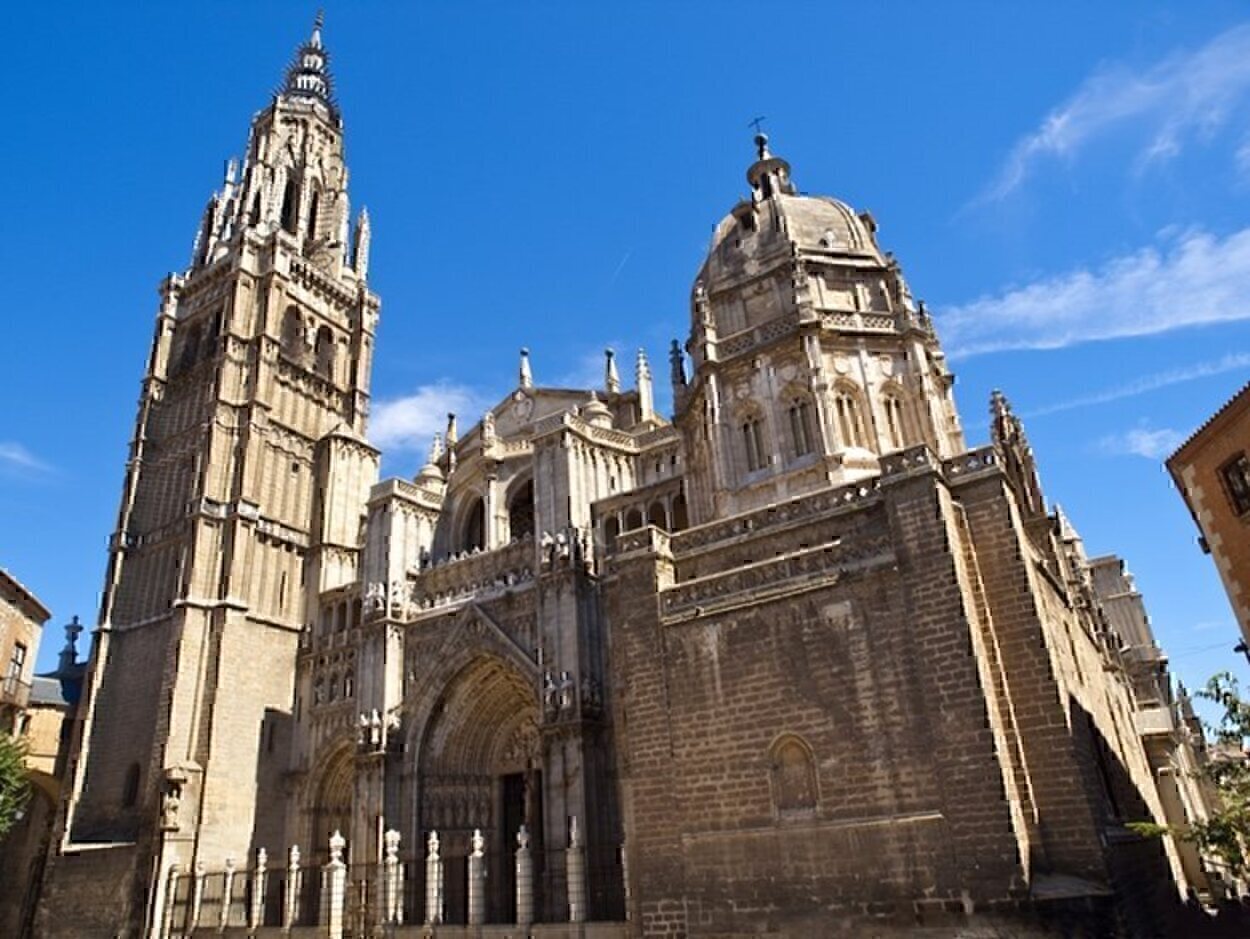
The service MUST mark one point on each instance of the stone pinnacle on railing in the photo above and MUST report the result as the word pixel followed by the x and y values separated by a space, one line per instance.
pixel 294 880
pixel 227 891
pixel 524 879
pixel 260 877
pixel 477 880
pixel 335 887
pixel 433 882
pixel 575 872
pixel 394 874
pixel 197 894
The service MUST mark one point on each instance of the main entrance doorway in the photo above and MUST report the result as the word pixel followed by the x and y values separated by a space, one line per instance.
pixel 479 769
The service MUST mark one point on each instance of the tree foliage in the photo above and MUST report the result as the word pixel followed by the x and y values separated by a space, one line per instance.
pixel 1226 834
pixel 14 782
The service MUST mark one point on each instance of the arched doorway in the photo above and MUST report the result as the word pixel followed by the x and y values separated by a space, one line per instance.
pixel 332 808
pixel 479 764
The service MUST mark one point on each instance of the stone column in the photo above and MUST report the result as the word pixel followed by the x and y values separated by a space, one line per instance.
pixel 260 880
pixel 433 883
pixel 393 879
pixel 477 881
pixel 227 893
pixel 334 887
pixel 294 880
pixel 524 880
pixel 575 872
pixel 171 896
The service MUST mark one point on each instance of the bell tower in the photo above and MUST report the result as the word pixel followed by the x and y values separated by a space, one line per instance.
pixel 254 398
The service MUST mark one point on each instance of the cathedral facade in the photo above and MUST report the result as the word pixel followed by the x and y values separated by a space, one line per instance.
pixel 796 661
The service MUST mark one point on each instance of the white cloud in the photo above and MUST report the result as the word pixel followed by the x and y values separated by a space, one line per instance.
pixel 1187 94
pixel 1143 442
pixel 410 422
pixel 1234 361
pixel 16 457
pixel 1191 278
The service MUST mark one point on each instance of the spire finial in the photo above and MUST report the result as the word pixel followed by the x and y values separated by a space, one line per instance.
pixel 308 75
pixel 526 376
pixel 768 175
pixel 646 393
pixel 611 378
pixel 318 21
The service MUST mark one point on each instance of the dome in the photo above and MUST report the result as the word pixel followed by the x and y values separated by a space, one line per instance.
pixel 777 220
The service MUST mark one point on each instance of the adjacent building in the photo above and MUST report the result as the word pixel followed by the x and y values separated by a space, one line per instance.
pixel 798 660
pixel 21 622
pixel 1212 471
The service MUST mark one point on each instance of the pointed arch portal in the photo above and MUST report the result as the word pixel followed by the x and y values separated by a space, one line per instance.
pixel 479 765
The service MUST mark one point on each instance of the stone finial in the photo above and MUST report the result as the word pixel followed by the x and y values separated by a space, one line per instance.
pixel 292 857
pixel 525 374
pixel 452 435
pixel 262 858
pixel 337 844
pixel 611 378
pixel 360 245
pixel 646 392
pixel 575 832
pixel 432 845
pixel 523 839
pixel 677 364
pixel 436 449
pixel 488 427
pixel 478 842
pixel 390 842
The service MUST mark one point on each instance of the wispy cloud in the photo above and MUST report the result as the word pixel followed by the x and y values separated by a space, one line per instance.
pixel 1188 94
pixel 1190 278
pixel 410 422
pixel 1233 362
pixel 14 456
pixel 1153 444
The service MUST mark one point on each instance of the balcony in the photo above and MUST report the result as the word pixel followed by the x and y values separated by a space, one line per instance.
pixel 14 693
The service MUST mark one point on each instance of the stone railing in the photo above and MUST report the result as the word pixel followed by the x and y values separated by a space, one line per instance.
pixel 970 463
pixel 779 575
pixel 783 513
pixel 472 576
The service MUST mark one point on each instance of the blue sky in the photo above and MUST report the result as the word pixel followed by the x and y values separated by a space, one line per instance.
pixel 1066 185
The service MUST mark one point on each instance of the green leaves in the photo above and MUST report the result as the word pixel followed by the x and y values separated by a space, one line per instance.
pixel 14 783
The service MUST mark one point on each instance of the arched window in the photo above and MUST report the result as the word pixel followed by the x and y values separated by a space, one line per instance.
pixel 799 413
pixel 611 528
pixel 292 340
pixel 849 417
pixel 474 527
pixel 130 789
pixel 314 209
pixel 753 444
pixel 792 776
pixel 895 427
pixel 254 217
pixel 657 517
pixel 190 347
pixel 290 203
pixel 521 511
pixel 633 519
pixel 349 683
pixel 681 518
pixel 325 353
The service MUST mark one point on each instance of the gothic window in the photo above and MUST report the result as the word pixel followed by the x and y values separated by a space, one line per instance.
pixel 611 528
pixel 521 511
pixel 290 200
pixel 657 517
pixel 633 519
pixel 753 444
pixel 190 347
pixel 474 527
pixel 792 776
pixel 681 518
pixel 892 408
pixel 849 417
pixel 291 329
pixel 1236 477
pixel 800 427
pixel 255 213
pixel 325 353
pixel 130 791
pixel 314 207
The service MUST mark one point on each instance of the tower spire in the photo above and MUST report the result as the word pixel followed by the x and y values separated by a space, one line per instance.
pixel 308 75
